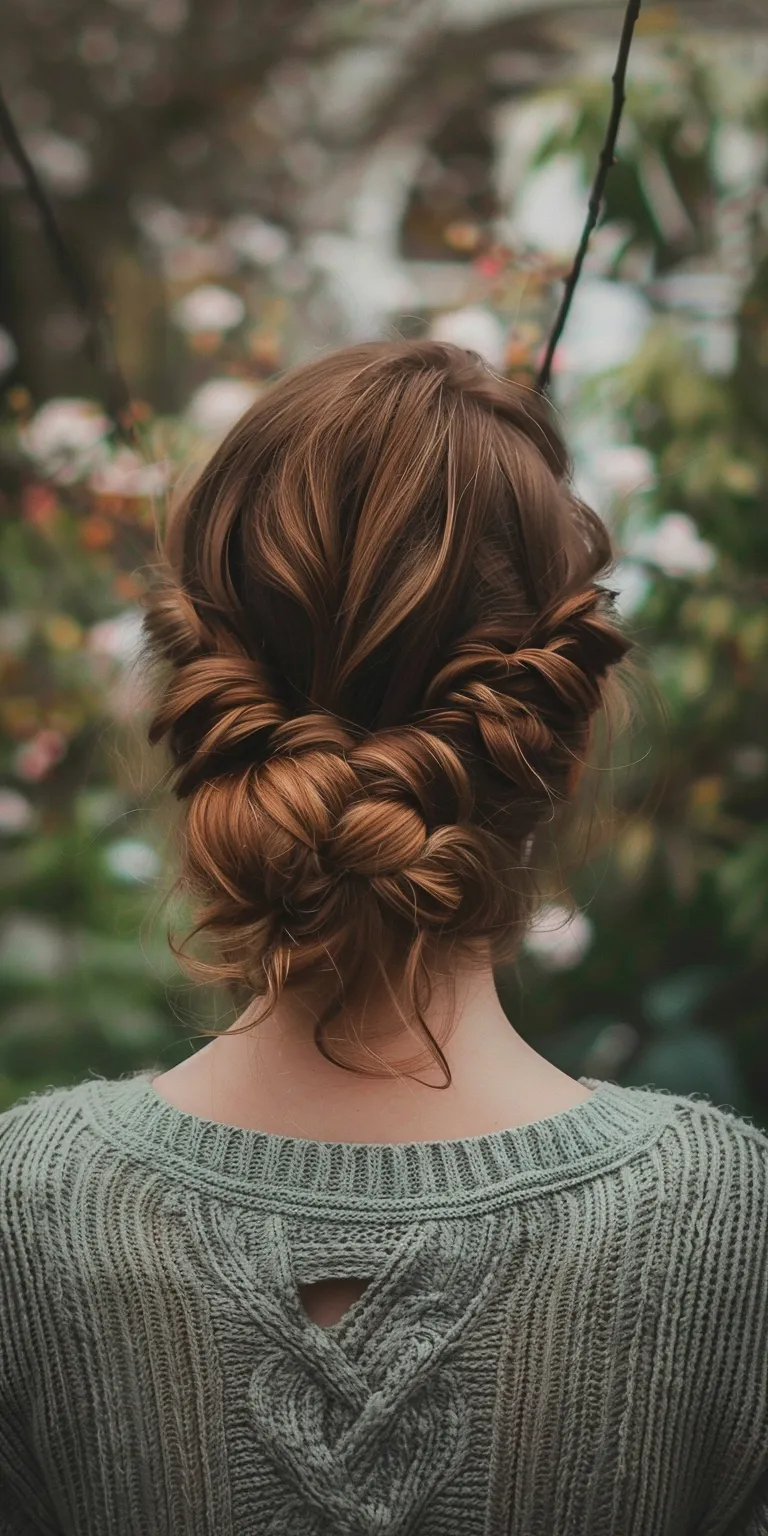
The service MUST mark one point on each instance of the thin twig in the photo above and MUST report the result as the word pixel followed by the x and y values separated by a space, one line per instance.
pixel 606 160
pixel 99 341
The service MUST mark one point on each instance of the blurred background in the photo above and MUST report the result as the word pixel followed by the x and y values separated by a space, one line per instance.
pixel 248 184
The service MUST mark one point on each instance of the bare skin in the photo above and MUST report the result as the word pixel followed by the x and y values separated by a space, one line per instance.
pixel 273 1079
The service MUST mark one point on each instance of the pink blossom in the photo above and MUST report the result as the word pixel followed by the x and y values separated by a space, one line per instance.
pixel 38 756
pixel 559 938
pixel 16 813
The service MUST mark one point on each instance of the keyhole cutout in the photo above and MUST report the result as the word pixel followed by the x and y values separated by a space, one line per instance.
pixel 326 1301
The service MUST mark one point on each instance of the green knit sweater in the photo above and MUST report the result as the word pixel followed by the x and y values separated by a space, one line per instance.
pixel 565 1331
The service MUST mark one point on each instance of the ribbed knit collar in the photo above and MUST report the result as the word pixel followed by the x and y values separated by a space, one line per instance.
pixel 417 1177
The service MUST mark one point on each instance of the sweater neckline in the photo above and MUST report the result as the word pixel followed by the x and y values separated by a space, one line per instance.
pixel 281 1172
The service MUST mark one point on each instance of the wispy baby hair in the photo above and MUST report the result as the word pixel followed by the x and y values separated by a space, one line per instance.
pixel 383 643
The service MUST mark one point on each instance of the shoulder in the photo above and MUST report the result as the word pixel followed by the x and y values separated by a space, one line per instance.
pixel 725 1157
pixel 57 1179
pixel 34 1117
pixel 714 1167
pixel 42 1136
pixel 53 1177
pixel 710 1214
pixel 695 1121
pixel 718 1138
pixel 706 1172
pixel 713 1149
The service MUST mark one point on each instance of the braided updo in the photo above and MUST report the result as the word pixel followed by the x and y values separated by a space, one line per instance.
pixel 382 647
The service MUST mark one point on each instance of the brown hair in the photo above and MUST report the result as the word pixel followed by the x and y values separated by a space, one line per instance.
pixel 383 647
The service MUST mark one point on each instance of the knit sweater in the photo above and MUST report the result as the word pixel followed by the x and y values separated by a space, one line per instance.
pixel 565 1330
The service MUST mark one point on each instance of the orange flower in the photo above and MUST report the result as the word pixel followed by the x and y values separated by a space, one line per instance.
pixel 108 505
pixel 138 410
pixel 19 400
pixel 205 342
pixel 96 533
pixel 518 355
pixel 127 587
pixel 462 236
pixel 264 348
pixel 658 19
pixel 62 632
pixel 39 505
pixel 20 718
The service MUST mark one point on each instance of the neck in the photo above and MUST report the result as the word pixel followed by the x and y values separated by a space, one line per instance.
pixel 273 1078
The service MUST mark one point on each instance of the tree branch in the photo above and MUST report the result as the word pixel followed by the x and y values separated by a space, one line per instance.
pixel 99 342
pixel 606 160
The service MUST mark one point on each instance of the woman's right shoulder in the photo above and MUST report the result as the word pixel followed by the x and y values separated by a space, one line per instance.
pixel 35 1133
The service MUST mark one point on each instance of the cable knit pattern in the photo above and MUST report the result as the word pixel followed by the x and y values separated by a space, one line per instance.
pixel 564 1333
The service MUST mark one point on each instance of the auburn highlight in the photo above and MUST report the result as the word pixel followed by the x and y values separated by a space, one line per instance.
pixel 382 641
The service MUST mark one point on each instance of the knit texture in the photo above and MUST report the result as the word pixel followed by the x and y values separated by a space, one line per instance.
pixel 565 1331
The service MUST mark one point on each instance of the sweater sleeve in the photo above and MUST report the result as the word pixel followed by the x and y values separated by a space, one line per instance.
pixel 25 1506
pixel 733 1309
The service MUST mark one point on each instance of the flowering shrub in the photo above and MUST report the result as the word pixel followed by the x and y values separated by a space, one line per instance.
pixel 657 970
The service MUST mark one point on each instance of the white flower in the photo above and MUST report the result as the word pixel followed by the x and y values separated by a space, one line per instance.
pixel 717 343
pixel 292 276
pixel 15 632
pixel 120 639
pixel 559 938
pixel 16 813
pixel 550 206
pixel 132 860
pixel 474 328
pixel 623 467
pixel 31 946
pixel 712 294
pixel 521 126
pixel 66 437
pixel 738 155
pixel 749 762
pixel 364 278
pixel 217 405
pixel 675 546
pixel 160 221
pixel 8 351
pixel 631 584
pixel 64 163
pixel 257 241
pixel 125 474
pixel 167 16
pixel 194 261
pixel 605 327
pixel 209 308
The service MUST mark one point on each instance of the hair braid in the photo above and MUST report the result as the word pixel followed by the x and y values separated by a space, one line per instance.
pixel 379 668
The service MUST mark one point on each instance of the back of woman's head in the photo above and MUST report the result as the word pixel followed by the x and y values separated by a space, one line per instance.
pixel 384 648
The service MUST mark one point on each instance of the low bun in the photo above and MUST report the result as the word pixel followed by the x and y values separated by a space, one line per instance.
pixel 382 643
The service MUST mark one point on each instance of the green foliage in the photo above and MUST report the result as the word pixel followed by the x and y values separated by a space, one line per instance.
pixel 671 988
pixel 679 895
pixel 87 980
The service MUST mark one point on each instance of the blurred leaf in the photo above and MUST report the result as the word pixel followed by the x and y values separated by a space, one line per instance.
pixel 677 890
pixel 743 879
pixel 570 1048
pixel 669 1005
pixel 691 1062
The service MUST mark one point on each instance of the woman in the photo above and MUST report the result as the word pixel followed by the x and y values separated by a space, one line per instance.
pixel 287 1286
